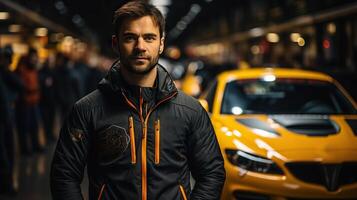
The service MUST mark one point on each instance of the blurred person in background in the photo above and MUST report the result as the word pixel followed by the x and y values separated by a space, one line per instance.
pixel 95 70
pixel 95 75
pixel 10 86
pixel 80 70
pixel 48 99
pixel 138 135
pixel 27 105
pixel 66 85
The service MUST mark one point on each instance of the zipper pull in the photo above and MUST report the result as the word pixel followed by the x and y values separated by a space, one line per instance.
pixel 132 140
pixel 144 130
pixel 157 141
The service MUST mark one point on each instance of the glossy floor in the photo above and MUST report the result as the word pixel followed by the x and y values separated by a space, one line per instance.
pixel 33 177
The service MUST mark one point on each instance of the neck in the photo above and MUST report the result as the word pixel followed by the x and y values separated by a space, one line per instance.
pixel 142 80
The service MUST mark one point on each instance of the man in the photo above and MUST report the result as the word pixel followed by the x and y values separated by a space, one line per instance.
pixel 27 110
pixel 66 85
pixel 10 87
pixel 48 99
pixel 139 136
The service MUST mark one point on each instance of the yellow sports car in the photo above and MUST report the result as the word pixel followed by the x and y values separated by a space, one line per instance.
pixel 284 134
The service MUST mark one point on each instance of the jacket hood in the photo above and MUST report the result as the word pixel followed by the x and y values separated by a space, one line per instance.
pixel 113 82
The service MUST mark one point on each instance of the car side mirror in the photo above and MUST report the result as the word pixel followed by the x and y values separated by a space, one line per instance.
pixel 204 104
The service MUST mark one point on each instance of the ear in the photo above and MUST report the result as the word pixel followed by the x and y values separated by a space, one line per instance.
pixel 162 44
pixel 115 43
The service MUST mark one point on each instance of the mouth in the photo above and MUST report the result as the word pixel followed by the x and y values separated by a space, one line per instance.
pixel 140 58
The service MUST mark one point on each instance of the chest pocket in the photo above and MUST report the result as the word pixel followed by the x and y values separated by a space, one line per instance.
pixel 111 143
pixel 173 134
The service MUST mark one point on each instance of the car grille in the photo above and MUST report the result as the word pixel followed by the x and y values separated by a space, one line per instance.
pixel 332 176
pixel 243 195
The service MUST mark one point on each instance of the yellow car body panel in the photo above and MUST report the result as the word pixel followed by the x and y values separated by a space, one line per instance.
pixel 261 72
pixel 287 147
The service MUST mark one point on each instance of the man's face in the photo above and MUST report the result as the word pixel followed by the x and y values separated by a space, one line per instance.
pixel 139 45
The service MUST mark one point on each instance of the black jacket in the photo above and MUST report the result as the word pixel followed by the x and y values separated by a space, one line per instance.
pixel 138 143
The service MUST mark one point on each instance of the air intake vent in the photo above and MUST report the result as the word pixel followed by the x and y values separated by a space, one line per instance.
pixel 353 125
pixel 308 126
pixel 257 124
pixel 331 176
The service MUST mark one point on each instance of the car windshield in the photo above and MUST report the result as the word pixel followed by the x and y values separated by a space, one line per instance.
pixel 284 96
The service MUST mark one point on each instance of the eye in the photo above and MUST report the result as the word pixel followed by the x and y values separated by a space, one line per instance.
pixel 129 38
pixel 149 38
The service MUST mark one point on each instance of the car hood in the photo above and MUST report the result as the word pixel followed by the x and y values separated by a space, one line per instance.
pixel 254 133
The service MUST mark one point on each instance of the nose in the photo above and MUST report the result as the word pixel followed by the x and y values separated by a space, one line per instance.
pixel 140 44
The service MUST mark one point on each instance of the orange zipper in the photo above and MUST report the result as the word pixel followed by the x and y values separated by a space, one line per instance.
pixel 183 193
pixel 143 143
pixel 132 140
pixel 101 192
pixel 143 165
pixel 157 141
pixel 143 149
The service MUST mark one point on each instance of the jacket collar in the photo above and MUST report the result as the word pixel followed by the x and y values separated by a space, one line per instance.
pixel 114 82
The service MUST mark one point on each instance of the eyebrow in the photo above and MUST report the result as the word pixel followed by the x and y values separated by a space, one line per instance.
pixel 145 35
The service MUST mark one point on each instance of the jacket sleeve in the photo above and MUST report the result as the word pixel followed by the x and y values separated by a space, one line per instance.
pixel 205 159
pixel 70 157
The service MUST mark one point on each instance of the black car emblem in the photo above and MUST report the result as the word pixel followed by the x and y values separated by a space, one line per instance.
pixel 331 174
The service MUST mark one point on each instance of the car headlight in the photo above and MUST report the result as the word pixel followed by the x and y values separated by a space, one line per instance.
pixel 252 162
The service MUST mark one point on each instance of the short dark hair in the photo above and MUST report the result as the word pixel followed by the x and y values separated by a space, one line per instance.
pixel 137 9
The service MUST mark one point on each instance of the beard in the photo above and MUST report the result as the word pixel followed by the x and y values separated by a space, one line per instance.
pixel 139 67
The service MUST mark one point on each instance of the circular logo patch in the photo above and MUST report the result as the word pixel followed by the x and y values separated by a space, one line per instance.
pixel 112 142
